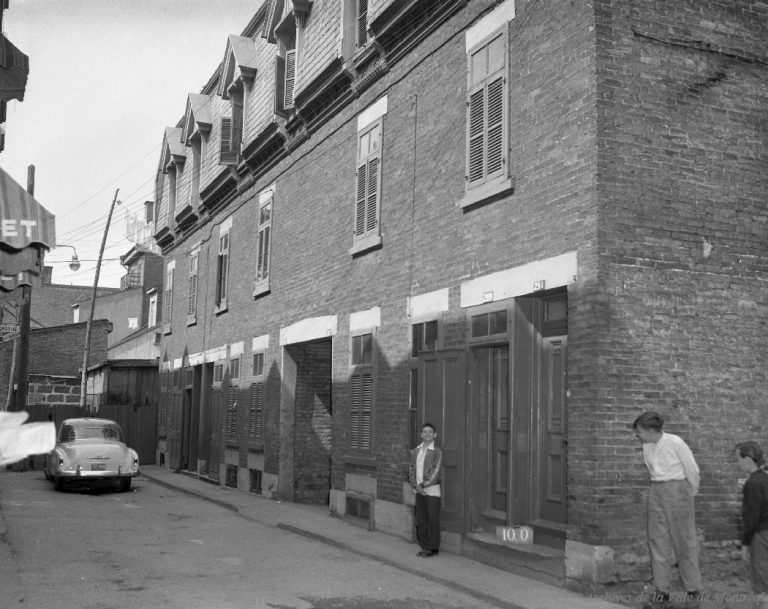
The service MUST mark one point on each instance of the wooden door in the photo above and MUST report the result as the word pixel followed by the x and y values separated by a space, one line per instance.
pixel 552 431
pixel 442 402
pixel 489 438
pixel 174 428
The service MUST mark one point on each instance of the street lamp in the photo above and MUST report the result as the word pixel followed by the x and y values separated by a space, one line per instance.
pixel 75 262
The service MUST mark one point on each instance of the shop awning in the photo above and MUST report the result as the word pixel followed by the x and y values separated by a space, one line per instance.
pixel 14 69
pixel 23 221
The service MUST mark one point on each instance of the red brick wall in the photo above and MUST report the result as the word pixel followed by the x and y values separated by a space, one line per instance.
pixel 678 320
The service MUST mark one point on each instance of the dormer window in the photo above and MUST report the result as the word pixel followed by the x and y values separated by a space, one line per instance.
pixel 197 125
pixel 238 71
pixel 286 65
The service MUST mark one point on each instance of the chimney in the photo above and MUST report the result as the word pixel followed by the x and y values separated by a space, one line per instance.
pixel 47 275
pixel 149 211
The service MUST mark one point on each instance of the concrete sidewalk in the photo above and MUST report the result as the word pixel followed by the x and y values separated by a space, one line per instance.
pixel 480 581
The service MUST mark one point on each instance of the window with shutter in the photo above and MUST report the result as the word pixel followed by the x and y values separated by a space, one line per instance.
pixel 487 137
pixel 368 187
pixel 361 394
pixel 255 412
pixel 290 77
pixel 192 292
pixel 222 270
pixel 226 154
pixel 362 23
pixel 265 229
pixel 231 430
pixel 168 302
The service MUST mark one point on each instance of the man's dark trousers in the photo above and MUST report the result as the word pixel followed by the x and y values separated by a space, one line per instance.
pixel 428 522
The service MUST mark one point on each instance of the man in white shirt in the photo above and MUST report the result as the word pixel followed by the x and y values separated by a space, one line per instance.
pixel 424 474
pixel 671 525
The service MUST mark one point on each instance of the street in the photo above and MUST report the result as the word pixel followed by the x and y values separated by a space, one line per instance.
pixel 157 548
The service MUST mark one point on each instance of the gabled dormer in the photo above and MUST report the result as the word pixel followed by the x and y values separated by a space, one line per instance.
pixel 195 130
pixel 173 155
pixel 238 72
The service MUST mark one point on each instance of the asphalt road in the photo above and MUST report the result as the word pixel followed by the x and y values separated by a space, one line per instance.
pixel 157 548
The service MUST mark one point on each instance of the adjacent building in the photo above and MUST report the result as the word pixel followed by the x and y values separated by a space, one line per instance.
pixel 524 222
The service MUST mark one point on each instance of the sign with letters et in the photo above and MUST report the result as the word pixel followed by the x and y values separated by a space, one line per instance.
pixel 23 221
pixel 515 535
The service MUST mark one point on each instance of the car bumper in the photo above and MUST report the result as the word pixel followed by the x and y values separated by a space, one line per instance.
pixel 84 474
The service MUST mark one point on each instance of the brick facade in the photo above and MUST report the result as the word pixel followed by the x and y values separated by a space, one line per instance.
pixel 636 153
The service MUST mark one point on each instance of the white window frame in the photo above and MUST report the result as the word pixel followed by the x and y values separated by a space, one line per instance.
pixel 223 260
pixel 192 286
pixel 487 119
pixel 264 241
pixel 168 298
pixel 362 379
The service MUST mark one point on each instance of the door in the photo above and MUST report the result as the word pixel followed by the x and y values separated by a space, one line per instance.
pixel 552 436
pixel 442 402
pixel 174 427
pixel 489 438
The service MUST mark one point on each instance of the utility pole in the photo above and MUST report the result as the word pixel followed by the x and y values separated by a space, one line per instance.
pixel 24 321
pixel 86 350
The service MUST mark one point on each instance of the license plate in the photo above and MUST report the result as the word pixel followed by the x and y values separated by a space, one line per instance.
pixel 98 467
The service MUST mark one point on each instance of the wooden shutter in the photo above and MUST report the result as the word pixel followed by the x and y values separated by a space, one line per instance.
pixel 486 138
pixel 280 86
pixel 476 152
pixel 362 23
pixel 495 113
pixel 290 77
pixel 232 395
pixel 361 401
pixel 168 304
pixel 237 125
pixel 256 412
pixel 192 296
pixel 226 155
pixel 222 269
pixel 362 181
pixel 367 198
pixel 372 195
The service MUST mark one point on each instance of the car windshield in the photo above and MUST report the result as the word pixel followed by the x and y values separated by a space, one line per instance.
pixel 71 433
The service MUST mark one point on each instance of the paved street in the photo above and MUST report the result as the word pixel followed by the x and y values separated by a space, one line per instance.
pixel 155 547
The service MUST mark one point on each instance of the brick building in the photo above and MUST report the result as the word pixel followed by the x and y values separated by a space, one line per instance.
pixel 525 222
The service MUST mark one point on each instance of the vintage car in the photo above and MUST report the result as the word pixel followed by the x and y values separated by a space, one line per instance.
pixel 89 452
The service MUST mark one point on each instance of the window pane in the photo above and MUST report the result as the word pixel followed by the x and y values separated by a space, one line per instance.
pixel 367 355
pixel 430 335
pixel 479 65
pixel 258 364
pixel 375 135
pixel 480 325
pixel 416 339
pixel 554 310
pixel 496 54
pixel 498 322
pixel 365 143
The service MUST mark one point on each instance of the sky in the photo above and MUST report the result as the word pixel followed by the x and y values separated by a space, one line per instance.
pixel 105 78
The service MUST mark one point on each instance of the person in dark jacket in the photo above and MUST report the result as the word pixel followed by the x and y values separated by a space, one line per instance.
pixel 754 513
pixel 425 474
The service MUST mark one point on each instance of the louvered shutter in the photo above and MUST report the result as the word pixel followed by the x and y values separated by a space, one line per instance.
pixel 232 414
pixel 255 414
pixel 226 156
pixel 372 195
pixel 361 401
pixel 280 86
pixel 486 121
pixel 237 125
pixel 168 301
pixel 192 296
pixel 290 77
pixel 362 181
pixel 476 153
pixel 362 23
pixel 495 113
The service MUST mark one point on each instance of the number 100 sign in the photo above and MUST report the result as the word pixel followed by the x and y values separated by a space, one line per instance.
pixel 515 535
